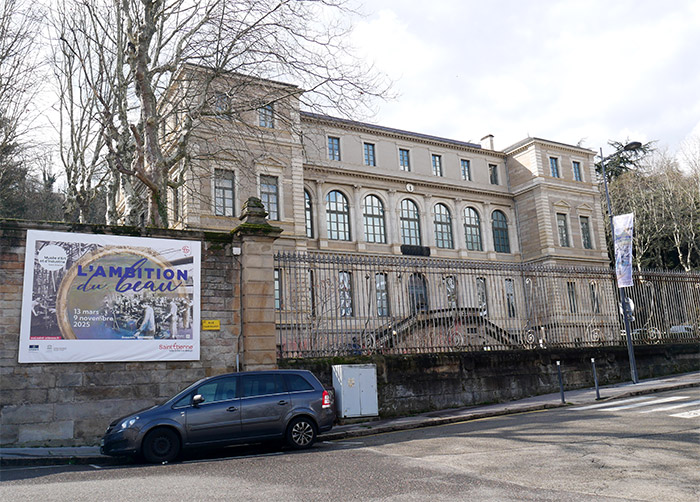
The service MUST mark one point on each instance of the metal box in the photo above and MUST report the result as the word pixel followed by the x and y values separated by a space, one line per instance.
pixel 355 388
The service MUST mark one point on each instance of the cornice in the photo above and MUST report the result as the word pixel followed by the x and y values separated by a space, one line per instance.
pixel 554 187
pixel 525 144
pixel 323 174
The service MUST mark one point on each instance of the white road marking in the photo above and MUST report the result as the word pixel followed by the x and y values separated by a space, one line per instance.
pixel 647 403
pixel 603 405
pixel 673 407
pixel 688 414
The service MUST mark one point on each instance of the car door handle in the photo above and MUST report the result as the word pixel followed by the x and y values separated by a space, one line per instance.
pixel 282 402
pixel 232 408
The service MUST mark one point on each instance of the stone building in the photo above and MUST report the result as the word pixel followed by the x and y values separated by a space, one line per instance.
pixel 344 186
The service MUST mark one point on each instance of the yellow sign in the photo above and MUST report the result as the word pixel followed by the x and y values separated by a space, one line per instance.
pixel 211 325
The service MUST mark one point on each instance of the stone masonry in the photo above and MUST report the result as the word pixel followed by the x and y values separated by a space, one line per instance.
pixel 72 403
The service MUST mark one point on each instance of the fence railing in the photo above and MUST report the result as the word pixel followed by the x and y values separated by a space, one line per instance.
pixel 350 304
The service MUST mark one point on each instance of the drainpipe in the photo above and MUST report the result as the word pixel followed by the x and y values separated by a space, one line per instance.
pixel 236 254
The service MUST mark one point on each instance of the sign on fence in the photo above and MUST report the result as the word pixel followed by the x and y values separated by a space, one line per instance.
pixel 624 226
pixel 97 298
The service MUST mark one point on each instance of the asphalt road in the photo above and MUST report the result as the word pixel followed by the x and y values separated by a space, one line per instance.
pixel 642 448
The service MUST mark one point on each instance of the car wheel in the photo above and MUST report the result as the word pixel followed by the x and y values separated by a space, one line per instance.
pixel 301 433
pixel 160 445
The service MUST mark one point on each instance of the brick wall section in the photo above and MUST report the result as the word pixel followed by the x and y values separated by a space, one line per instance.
pixel 72 403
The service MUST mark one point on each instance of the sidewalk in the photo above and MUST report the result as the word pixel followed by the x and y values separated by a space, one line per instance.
pixel 91 454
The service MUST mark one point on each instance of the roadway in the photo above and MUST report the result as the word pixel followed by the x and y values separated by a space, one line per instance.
pixel 637 448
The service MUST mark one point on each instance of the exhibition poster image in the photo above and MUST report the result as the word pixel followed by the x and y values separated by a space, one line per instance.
pixel 99 298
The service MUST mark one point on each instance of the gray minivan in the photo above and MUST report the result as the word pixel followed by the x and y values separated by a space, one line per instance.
pixel 227 409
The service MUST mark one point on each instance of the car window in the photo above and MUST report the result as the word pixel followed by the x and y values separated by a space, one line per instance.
pixel 208 391
pixel 227 389
pixel 261 385
pixel 186 400
pixel 297 383
pixel 221 389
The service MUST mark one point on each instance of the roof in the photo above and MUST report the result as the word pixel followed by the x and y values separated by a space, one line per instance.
pixel 529 140
pixel 388 130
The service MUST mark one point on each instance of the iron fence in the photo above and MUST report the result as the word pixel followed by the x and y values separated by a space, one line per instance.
pixel 330 304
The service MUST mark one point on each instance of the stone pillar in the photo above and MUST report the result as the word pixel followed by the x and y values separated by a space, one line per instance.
pixel 259 334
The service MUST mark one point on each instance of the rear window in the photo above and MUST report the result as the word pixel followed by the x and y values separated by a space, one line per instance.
pixel 297 383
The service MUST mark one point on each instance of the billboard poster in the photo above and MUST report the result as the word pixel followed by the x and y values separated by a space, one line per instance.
pixel 624 227
pixel 100 298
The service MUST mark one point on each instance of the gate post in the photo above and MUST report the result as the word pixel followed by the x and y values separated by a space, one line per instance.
pixel 257 290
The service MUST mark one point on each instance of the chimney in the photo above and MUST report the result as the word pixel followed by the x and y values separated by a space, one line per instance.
pixel 487 142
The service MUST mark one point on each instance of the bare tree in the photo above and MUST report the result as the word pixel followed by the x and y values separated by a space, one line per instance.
pixel 81 130
pixel 681 199
pixel 19 29
pixel 666 203
pixel 154 99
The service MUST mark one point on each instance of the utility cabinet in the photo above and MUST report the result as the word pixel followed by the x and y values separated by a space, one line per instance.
pixel 355 388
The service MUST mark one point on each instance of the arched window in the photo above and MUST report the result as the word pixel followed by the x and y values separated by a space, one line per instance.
pixel 472 229
pixel 373 212
pixel 308 215
pixel 443 227
pixel 410 223
pixel 338 216
pixel 499 223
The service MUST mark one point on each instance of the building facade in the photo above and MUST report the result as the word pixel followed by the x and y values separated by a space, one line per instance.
pixel 344 186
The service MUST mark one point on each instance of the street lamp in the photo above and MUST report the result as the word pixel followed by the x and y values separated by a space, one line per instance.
pixel 634 145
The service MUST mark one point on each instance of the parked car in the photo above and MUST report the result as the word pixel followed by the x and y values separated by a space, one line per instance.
pixel 227 409
pixel 682 329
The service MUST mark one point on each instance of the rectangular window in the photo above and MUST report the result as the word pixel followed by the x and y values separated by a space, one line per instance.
pixel 576 166
pixel 563 230
pixel 595 303
pixel 269 194
pixel 312 292
pixel 493 174
pixel 481 297
pixel 510 297
pixel 278 289
pixel 370 159
pixel 266 116
pixel 220 104
pixel 380 282
pixel 554 167
pixel 586 232
pixel 404 160
pixel 223 192
pixel 571 293
pixel 466 170
pixel 177 204
pixel 333 148
pixel 437 165
pixel 451 291
pixel 345 293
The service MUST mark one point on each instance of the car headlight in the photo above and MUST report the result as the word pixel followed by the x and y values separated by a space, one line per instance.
pixel 129 422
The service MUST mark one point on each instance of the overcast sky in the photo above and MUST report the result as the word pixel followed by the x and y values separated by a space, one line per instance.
pixel 584 71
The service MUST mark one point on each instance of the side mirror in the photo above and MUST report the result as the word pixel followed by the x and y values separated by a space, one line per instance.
pixel 197 400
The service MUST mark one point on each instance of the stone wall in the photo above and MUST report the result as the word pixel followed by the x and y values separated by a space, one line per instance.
pixel 417 383
pixel 72 403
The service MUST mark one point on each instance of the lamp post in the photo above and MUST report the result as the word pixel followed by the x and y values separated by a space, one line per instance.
pixel 634 145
